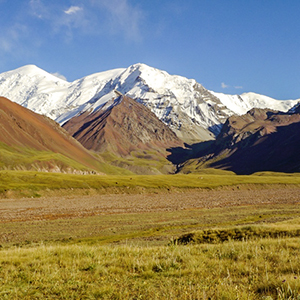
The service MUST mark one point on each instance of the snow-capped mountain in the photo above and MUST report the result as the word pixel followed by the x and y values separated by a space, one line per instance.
pixel 191 111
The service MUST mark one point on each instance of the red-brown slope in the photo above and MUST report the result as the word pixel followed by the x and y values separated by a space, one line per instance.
pixel 122 126
pixel 21 127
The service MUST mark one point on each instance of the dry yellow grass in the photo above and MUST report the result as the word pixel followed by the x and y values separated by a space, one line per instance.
pixel 233 270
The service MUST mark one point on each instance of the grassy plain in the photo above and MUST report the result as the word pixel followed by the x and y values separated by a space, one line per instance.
pixel 39 183
pixel 22 158
pixel 112 237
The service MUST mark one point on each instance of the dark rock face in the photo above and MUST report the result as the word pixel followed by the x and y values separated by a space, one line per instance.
pixel 261 140
pixel 121 126
pixel 278 152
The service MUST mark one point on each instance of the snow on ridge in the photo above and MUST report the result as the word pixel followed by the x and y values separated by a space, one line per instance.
pixel 181 103
pixel 240 104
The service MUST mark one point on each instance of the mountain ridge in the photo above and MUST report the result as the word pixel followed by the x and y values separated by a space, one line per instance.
pixel 191 111
pixel 128 130
pixel 260 140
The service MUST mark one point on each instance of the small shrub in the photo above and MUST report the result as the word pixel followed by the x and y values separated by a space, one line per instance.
pixel 213 236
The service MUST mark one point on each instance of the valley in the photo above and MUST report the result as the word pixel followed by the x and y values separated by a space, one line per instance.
pixel 51 207
pixel 151 218
pixel 63 242
pixel 134 183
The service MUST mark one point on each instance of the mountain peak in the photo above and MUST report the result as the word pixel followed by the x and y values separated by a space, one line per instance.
pixel 192 112
pixel 34 72
pixel 29 70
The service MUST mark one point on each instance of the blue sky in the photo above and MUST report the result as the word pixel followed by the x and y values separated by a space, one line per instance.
pixel 230 46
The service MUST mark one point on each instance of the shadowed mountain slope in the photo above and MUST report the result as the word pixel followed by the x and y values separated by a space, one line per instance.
pixel 278 152
pixel 261 140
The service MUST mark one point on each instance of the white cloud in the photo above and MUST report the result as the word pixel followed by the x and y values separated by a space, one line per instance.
pixel 60 76
pixel 92 17
pixel 73 10
pixel 61 21
pixel 224 86
pixel 38 9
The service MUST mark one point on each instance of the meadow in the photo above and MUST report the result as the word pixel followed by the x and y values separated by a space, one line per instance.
pixel 35 184
pixel 212 235
pixel 253 269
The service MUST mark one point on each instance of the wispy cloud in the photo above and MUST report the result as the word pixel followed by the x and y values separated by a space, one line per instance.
pixel 61 20
pixel 12 36
pixel 73 10
pixel 38 9
pixel 224 86
pixel 60 76
pixel 36 23
pixel 123 17
pixel 97 17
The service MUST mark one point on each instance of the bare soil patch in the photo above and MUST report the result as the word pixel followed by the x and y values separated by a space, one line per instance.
pixel 67 207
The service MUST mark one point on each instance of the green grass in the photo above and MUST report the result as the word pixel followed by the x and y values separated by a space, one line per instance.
pixel 39 181
pixel 247 252
pixel 108 257
pixel 25 158
pixel 214 236
pixel 20 158
pixel 197 165
pixel 141 162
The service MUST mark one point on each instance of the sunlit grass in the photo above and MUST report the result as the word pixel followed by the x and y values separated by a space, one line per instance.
pixel 21 158
pixel 141 162
pixel 232 270
pixel 39 181
pixel 25 158
pixel 98 257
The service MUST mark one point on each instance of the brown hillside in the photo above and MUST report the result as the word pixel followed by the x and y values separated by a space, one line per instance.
pixel 261 140
pixel 122 126
pixel 22 128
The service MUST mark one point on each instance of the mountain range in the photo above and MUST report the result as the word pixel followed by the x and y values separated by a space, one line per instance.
pixel 134 118
pixel 191 111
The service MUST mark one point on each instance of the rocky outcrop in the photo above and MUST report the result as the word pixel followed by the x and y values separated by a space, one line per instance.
pixel 120 127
